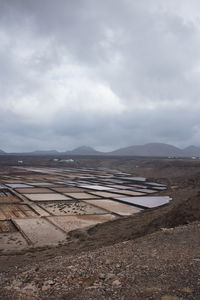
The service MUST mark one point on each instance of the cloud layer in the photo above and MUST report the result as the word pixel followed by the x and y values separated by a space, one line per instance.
pixel 102 73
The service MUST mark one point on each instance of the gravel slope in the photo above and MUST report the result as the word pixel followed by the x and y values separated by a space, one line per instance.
pixel 163 265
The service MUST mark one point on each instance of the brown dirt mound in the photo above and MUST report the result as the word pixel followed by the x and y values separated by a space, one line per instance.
pixel 181 214
pixel 149 221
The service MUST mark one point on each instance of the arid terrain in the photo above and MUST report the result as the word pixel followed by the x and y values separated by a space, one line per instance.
pixel 150 255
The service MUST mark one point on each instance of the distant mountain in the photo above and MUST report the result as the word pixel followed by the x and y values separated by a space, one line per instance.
pixel 84 150
pixel 2 152
pixel 152 149
pixel 192 151
pixel 148 150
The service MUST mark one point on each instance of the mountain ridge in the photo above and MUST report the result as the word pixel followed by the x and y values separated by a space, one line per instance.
pixel 146 150
pixel 150 149
pixel 192 150
pixel 2 152
pixel 84 150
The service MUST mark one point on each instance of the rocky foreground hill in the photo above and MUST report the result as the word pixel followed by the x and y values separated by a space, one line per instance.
pixel 164 265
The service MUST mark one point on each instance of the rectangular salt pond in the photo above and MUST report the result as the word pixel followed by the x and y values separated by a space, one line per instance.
pixel 158 188
pixel 72 208
pixel 121 187
pixel 46 197
pixel 147 191
pixel 146 202
pixel 143 179
pixel 131 193
pixel 40 184
pixel 112 181
pixel 18 185
pixel 7 197
pixel 115 207
pixel 40 231
pixel 91 183
pixel 68 223
pixel 68 189
pixel 156 184
pixel 34 190
pixel 122 174
pixel 69 183
pixel 105 194
pixel 81 196
pixel 9 211
pixel 138 186
pixel 96 187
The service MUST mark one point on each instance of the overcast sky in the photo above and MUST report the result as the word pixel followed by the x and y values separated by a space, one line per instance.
pixel 102 73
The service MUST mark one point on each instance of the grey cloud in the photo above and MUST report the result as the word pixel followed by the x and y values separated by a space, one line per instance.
pixel 103 73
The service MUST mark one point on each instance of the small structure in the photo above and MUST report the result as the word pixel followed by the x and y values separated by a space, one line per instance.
pixel 63 160
pixel 66 160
